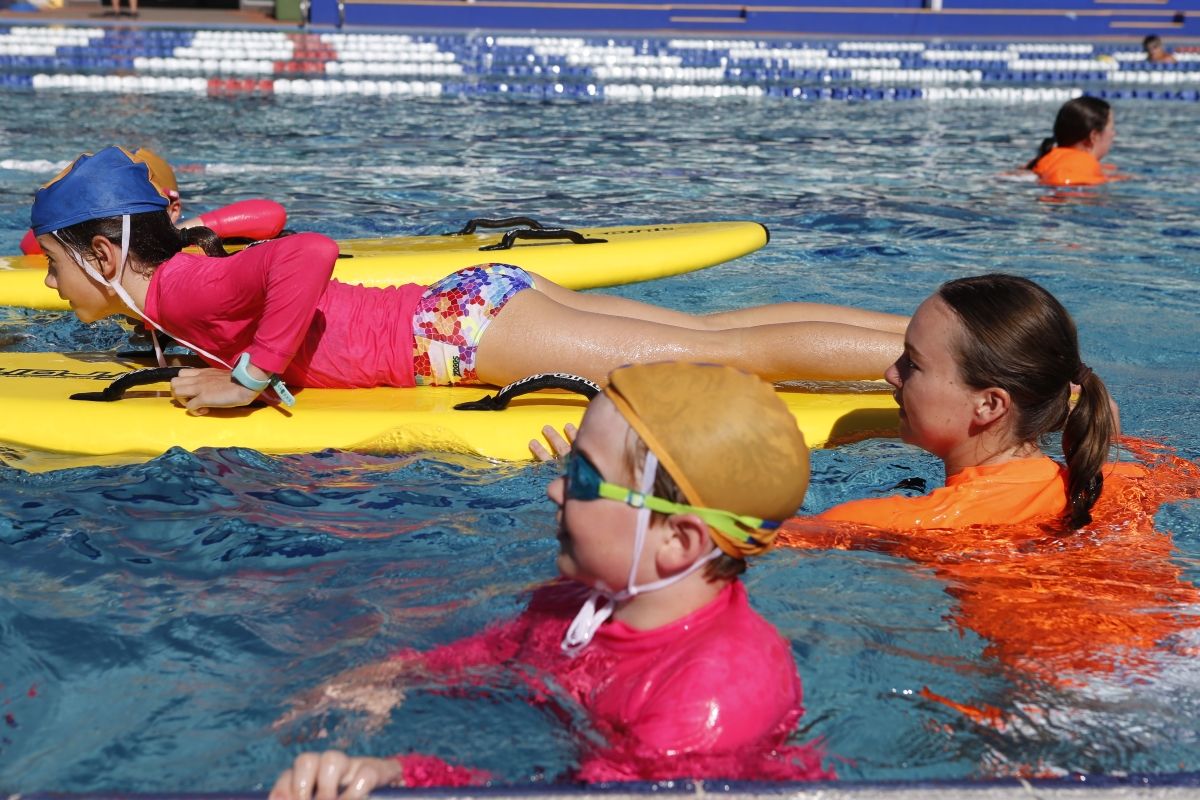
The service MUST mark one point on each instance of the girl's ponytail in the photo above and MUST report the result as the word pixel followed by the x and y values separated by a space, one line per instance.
pixel 1088 433
pixel 204 238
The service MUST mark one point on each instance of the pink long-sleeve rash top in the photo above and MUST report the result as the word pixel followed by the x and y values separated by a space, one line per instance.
pixel 712 695
pixel 278 302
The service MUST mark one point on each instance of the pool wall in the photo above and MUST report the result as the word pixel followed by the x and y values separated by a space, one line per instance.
pixel 891 18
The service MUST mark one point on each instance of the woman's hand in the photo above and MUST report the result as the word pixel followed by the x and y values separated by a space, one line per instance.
pixel 560 442
pixel 201 389
pixel 333 775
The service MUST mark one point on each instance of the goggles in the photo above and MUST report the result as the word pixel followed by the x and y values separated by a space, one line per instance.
pixel 584 482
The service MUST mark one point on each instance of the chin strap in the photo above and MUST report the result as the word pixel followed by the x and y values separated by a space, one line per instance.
pixel 592 615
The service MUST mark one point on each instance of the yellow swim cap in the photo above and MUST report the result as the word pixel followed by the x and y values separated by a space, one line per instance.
pixel 161 174
pixel 725 438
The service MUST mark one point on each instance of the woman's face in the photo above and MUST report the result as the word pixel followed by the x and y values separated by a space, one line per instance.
pixel 1102 140
pixel 937 410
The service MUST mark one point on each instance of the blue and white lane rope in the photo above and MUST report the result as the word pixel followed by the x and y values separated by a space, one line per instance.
pixel 278 63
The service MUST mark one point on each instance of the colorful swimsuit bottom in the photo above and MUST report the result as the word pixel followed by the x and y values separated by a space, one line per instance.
pixel 453 314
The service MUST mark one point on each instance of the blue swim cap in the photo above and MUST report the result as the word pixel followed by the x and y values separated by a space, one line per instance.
pixel 108 184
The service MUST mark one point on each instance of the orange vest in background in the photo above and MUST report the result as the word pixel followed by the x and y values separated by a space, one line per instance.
pixel 1066 166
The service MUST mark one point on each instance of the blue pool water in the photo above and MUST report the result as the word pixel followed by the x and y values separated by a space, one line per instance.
pixel 155 618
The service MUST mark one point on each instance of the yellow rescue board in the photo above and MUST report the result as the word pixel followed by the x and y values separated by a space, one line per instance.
pixel 627 255
pixel 41 428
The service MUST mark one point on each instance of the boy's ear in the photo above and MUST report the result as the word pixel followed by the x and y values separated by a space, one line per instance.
pixel 687 540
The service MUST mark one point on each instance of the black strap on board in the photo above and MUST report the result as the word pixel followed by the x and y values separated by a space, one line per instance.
pixel 534 383
pixel 139 377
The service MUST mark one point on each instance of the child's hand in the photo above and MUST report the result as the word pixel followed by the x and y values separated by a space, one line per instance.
pixel 333 775
pixel 561 442
pixel 201 389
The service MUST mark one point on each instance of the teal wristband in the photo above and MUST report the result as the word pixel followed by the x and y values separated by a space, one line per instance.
pixel 243 376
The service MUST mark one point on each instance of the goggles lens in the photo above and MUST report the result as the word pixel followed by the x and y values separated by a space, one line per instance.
pixel 583 479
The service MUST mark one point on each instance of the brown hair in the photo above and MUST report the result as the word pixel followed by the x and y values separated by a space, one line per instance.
pixel 1019 338
pixel 724 566
pixel 153 238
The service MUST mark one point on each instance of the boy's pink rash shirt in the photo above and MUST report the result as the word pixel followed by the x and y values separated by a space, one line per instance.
pixel 277 302
pixel 714 694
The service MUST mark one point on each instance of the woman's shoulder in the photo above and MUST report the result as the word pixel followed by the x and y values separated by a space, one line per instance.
pixel 1068 165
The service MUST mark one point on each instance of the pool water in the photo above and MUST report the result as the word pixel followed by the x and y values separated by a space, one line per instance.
pixel 156 618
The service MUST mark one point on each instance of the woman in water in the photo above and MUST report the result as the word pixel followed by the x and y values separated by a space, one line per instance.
pixel 1083 134
pixel 987 374
pixel 270 315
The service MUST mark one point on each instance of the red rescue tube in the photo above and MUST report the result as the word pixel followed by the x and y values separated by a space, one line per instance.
pixel 29 244
pixel 247 219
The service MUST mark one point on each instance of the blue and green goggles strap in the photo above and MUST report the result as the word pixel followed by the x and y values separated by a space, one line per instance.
pixel 736 526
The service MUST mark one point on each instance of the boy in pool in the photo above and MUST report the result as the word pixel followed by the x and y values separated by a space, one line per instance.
pixel 1156 51
pixel 679 473
pixel 252 219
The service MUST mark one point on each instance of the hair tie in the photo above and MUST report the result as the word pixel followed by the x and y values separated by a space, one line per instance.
pixel 1082 374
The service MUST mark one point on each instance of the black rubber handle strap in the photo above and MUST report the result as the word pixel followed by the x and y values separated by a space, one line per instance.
pixel 534 383
pixel 511 237
pixel 139 377
pixel 506 222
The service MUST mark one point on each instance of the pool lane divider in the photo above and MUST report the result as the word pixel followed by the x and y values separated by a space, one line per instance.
pixel 235 63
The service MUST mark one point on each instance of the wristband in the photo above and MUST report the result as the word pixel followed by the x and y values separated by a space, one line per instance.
pixel 242 376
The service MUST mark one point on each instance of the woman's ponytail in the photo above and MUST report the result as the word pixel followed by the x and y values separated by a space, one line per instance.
pixel 1046 147
pixel 1088 433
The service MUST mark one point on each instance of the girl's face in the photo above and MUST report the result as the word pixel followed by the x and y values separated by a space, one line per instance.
pixel 89 300
pixel 1102 140
pixel 936 407
pixel 596 537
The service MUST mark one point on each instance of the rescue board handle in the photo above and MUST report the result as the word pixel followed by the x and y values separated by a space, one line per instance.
pixel 139 377
pixel 511 237
pixel 506 222
pixel 533 383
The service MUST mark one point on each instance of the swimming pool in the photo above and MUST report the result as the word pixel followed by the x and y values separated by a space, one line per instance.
pixel 155 618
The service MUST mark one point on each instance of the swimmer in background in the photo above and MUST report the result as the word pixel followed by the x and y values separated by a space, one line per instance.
pixel 678 475
pixel 1156 52
pixel 1084 130
pixel 250 220
pixel 271 315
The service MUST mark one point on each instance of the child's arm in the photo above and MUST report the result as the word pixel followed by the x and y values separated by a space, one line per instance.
pixel 288 276
pixel 376 689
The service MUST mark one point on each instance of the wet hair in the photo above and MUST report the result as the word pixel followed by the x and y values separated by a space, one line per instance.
pixel 153 238
pixel 1152 40
pixel 1076 121
pixel 724 566
pixel 1018 337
